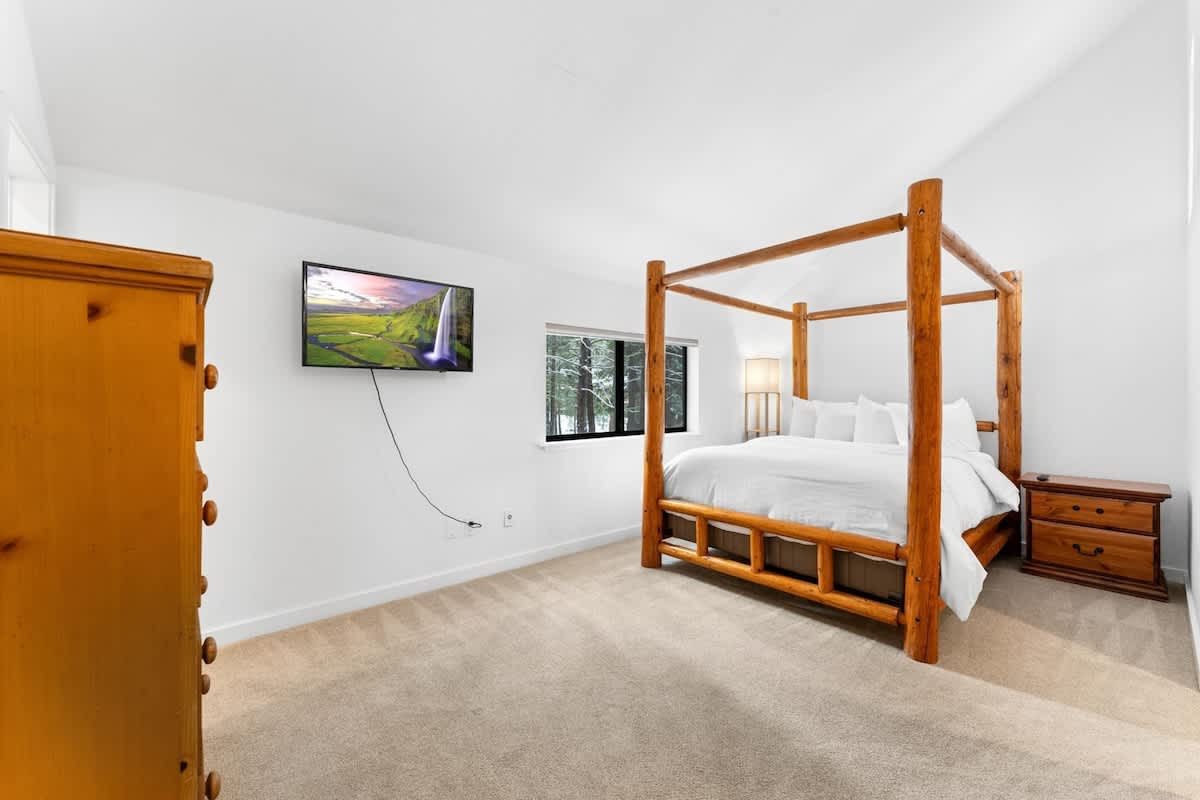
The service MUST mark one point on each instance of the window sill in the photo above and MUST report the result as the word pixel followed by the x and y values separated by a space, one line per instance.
pixel 571 444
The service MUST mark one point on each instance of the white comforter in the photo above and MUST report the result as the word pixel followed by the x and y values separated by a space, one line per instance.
pixel 847 486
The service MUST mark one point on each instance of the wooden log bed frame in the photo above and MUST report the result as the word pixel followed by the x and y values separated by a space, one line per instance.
pixel 921 555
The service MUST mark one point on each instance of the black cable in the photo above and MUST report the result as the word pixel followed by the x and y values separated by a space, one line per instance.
pixel 470 523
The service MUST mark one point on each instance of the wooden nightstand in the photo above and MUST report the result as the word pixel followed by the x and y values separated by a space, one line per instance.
pixel 1096 532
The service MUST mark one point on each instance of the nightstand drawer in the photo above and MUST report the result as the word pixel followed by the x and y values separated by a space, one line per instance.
pixel 1098 512
pixel 1125 555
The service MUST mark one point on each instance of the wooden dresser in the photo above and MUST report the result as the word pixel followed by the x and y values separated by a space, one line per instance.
pixel 102 383
pixel 1096 532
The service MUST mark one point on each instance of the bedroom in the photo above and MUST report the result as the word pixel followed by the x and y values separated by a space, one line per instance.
pixel 371 647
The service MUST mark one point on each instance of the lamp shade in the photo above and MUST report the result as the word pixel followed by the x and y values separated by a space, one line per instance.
pixel 762 374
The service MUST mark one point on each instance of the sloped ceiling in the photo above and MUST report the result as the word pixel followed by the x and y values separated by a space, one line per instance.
pixel 569 135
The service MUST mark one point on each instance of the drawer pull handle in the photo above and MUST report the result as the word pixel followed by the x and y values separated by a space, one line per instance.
pixel 208 650
pixel 1099 510
pixel 1095 551
pixel 1074 508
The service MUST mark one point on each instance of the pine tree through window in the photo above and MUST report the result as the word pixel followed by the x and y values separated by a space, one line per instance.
pixel 595 387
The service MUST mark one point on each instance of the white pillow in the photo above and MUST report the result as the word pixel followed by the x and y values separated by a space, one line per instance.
pixel 804 418
pixel 835 421
pixel 899 412
pixel 959 431
pixel 873 423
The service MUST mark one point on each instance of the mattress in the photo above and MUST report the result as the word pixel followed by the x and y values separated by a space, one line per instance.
pixel 849 486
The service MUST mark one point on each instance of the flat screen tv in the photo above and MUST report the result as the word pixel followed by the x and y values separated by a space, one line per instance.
pixel 355 318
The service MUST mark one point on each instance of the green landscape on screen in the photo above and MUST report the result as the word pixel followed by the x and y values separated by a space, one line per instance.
pixel 359 319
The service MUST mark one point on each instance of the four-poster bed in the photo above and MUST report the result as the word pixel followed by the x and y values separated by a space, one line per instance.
pixel 920 554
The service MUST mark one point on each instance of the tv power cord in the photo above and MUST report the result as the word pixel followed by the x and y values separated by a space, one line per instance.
pixel 470 523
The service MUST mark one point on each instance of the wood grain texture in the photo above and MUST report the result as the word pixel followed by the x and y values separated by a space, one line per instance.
pixel 102 517
pixel 975 262
pixel 923 575
pixel 758 551
pixel 991 536
pixel 824 567
pixel 872 609
pixel 1098 512
pixel 655 379
pixel 819 241
pixel 200 310
pixel 853 542
pixel 211 376
pixel 701 536
pixel 733 302
pixel 1097 532
pixel 901 305
pixel 1111 583
pixel 212 786
pixel 1125 555
pixel 1102 487
pixel 1008 377
pixel 800 350
pixel 53 256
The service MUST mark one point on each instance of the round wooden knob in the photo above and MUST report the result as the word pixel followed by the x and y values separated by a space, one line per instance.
pixel 208 512
pixel 203 482
pixel 205 684
pixel 203 584
pixel 212 785
pixel 208 650
pixel 210 377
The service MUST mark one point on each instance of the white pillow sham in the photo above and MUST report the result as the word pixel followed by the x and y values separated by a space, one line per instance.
pixel 804 418
pixel 959 430
pixel 836 421
pixel 873 423
pixel 816 419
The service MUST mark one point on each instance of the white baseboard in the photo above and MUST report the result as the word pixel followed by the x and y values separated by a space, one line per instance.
pixel 290 618
pixel 1175 574
pixel 1194 618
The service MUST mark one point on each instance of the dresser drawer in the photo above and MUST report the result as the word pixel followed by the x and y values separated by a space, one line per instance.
pixel 1124 555
pixel 1097 512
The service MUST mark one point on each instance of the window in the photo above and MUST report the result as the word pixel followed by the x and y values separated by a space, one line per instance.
pixel 595 387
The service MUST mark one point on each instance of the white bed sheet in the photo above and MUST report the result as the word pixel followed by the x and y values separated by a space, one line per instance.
pixel 849 486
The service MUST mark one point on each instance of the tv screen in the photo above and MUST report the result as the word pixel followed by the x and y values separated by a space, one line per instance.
pixel 355 318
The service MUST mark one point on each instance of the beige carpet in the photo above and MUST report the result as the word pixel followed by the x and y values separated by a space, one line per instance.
pixel 590 677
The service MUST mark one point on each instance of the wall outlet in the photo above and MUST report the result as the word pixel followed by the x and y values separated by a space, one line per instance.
pixel 453 529
pixel 508 519
pixel 468 530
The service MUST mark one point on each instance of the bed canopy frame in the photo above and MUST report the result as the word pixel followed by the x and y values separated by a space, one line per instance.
pixel 921 555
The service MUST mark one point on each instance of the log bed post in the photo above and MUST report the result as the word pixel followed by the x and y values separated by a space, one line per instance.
pixel 923 573
pixel 655 379
pixel 800 350
pixel 1008 377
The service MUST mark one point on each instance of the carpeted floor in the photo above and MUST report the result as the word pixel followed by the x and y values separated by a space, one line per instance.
pixel 590 677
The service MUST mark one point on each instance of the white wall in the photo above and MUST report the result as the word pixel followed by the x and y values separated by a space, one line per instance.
pixel 1193 322
pixel 19 84
pixel 1082 188
pixel 316 514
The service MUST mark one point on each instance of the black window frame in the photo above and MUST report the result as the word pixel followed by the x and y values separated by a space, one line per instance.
pixel 619 392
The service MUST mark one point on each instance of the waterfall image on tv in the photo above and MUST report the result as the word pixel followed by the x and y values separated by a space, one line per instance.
pixel 354 318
